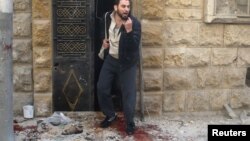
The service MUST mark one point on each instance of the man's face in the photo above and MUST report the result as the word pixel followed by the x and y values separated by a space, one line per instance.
pixel 123 9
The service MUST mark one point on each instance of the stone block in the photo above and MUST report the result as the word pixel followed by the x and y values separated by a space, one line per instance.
pixel 209 78
pixel 22 5
pixel 243 57
pixel 181 34
pixel 183 14
pixel 41 9
pixel 153 80
pixel 152 57
pixel 197 3
pixel 198 57
pixel 224 56
pixel 22 24
pixel 43 105
pixel 237 35
pixel 174 57
pixel 152 9
pixel 211 35
pixel 19 100
pixel 42 80
pixel 152 33
pixel 22 78
pixel 42 58
pixel 179 79
pixel 218 98
pixel 240 98
pixel 41 34
pixel 233 77
pixel 197 101
pixel 152 103
pixel 183 3
pixel 174 101
pixel 22 52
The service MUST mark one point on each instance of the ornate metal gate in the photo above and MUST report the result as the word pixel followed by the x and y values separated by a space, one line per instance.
pixel 73 34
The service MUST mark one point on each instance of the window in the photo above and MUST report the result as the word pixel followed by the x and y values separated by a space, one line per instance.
pixel 243 7
pixel 227 11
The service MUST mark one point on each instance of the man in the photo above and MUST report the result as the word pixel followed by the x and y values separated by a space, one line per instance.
pixel 122 43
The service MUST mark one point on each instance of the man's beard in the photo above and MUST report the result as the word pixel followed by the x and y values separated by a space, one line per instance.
pixel 123 17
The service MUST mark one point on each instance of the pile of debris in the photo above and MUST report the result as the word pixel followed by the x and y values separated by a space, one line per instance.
pixel 31 129
pixel 244 115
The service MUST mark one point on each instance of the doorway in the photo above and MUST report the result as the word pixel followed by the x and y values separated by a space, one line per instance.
pixel 73 65
pixel 103 6
pixel 76 66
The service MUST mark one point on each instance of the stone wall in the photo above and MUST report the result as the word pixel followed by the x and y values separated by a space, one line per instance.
pixel 32 56
pixel 189 66
pixel 42 56
pixel 22 55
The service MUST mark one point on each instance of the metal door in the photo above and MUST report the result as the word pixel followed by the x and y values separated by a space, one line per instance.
pixel 73 28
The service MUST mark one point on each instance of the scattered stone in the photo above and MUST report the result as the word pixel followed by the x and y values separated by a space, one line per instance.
pixel 19 120
pixel 230 111
pixel 244 117
pixel 155 128
pixel 73 129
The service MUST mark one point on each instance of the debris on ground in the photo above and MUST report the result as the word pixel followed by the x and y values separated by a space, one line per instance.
pixel 84 126
pixel 73 129
pixel 230 111
pixel 245 117
pixel 57 119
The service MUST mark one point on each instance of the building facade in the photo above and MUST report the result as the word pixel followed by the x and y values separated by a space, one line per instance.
pixel 194 57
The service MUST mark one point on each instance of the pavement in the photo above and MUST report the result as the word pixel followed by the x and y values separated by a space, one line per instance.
pixel 84 126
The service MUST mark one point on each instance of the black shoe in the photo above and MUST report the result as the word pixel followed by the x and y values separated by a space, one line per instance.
pixel 130 128
pixel 107 121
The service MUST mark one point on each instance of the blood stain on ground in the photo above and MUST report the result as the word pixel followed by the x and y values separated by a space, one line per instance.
pixel 142 133
pixel 18 128
pixel 139 134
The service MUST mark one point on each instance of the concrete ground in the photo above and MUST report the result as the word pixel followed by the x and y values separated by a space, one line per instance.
pixel 167 127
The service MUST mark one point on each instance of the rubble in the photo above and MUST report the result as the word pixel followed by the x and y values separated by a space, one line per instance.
pixel 245 117
pixel 230 111
pixel 167 127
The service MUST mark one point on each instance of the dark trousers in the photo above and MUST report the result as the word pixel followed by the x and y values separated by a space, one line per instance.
pixel 127 79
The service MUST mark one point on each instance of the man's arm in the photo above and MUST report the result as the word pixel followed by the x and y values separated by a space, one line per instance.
pixel 133 36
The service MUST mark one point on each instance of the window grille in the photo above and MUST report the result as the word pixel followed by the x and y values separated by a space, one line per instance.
pixel 243 8
pixel 227 11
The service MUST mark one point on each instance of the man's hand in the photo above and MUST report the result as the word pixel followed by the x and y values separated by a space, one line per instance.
pixel 105 43
pixel 128 25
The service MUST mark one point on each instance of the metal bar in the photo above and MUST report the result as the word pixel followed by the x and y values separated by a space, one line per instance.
pixel 141 80
pixel 141 87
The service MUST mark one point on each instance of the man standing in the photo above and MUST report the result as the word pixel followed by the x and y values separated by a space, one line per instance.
pixel 123 33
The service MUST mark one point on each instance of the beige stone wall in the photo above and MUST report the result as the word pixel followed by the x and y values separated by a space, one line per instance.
pixel 32 56
pixel 188 65
pixel 22 55
pixel 42 56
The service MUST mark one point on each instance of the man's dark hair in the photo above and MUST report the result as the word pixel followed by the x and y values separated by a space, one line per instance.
pixel 116 2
